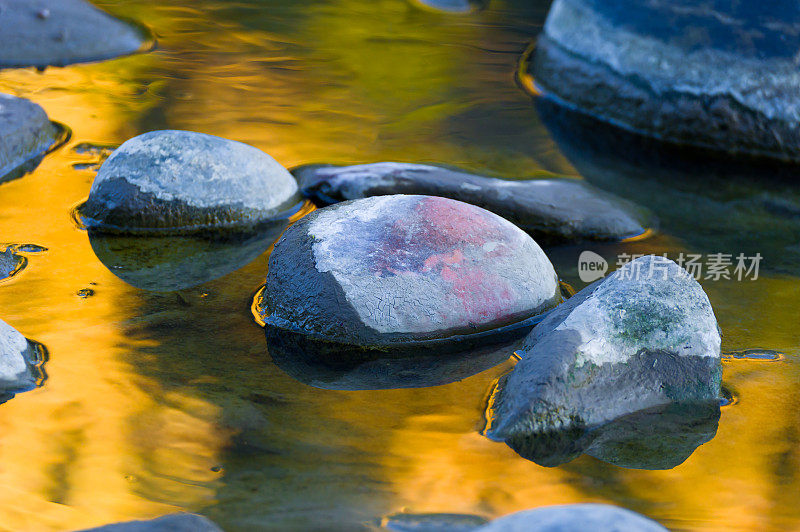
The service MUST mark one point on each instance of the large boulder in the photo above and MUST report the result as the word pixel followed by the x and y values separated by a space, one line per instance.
pixel 394 269
pixel 184 182
pixel 25 133
pixel 644 336
pixel 711 74
pixel 168 523
pixel 552 210
pixel 574 517
pixel 44 33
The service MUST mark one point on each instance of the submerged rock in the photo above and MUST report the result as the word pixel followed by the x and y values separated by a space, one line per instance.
pixel 404 522
pixel 25 132
pixel 167 523
pixel 395 269
pixel 644 336
pixel 10 263
pixel 175 262
pixel 574 517
pixel 721 75
pixel 550 209
pixel 183 182
pixel 20 363
pixel 60 32
pixel 337 367
pixel 451 6
pixel 662 437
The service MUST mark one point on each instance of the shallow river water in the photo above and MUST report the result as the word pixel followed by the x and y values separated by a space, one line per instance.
pixel 164 401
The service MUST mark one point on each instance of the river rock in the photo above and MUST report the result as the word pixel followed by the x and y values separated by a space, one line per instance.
pixel 169 523
pixel 44 33
pixel 644 336
pixel 721 75
pixel 25 133
pixel 394 269
pixel 183 182
pixel 406 522
pixel 574 517
pixel 552 210
pixel 19 371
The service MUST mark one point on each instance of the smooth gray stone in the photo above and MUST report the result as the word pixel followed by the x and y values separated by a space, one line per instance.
pixel 167 523
pixel 394 269
pixel 182 182
pixel 25 132
pixel 404 522
pixel 574 518
pixel 44 33
pixel 721 75
pixel 644 336
pixel 167 263
pixel 552 210
pixel 20 367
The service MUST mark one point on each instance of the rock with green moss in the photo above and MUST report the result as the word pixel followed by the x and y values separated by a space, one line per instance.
pixel 60 32
pixel 25 134
pixel 642 337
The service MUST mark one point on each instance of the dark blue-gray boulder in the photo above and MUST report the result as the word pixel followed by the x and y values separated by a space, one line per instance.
pixel 394 269
pixel 552 210
pixel 574 518
pixel 720 75
pixel 642 337
pixel 168 523
pixel 44 33
pixel 183 182
pixel 25 134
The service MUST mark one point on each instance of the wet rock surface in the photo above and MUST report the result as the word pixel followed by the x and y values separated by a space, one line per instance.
pixel 697 73
pixel 20 363
pixel 184 182
pixel 60 32
pixel 394 269
pixel 571 517
pixel 451 6
pixel 25 133
pixel 406 522
pixel 167 523
pixel 644 336
pixel 10 263
pixel 552 210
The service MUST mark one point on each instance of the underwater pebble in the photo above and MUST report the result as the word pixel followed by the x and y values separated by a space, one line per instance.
pixel 61 32
pixel 406 522
pixel 182 181
pixel 393 269
pixel 556 209
pixel 25 131
pixel 644 336
pixel 688 73
pixel 574 517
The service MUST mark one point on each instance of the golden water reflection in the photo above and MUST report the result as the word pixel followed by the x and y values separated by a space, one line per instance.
pixel 158 402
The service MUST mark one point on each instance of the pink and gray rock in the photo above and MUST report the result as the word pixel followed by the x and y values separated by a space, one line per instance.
pixel 552 210
pixel 44 33
pixel 25 134
pixel 168 182
pixel 401 268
